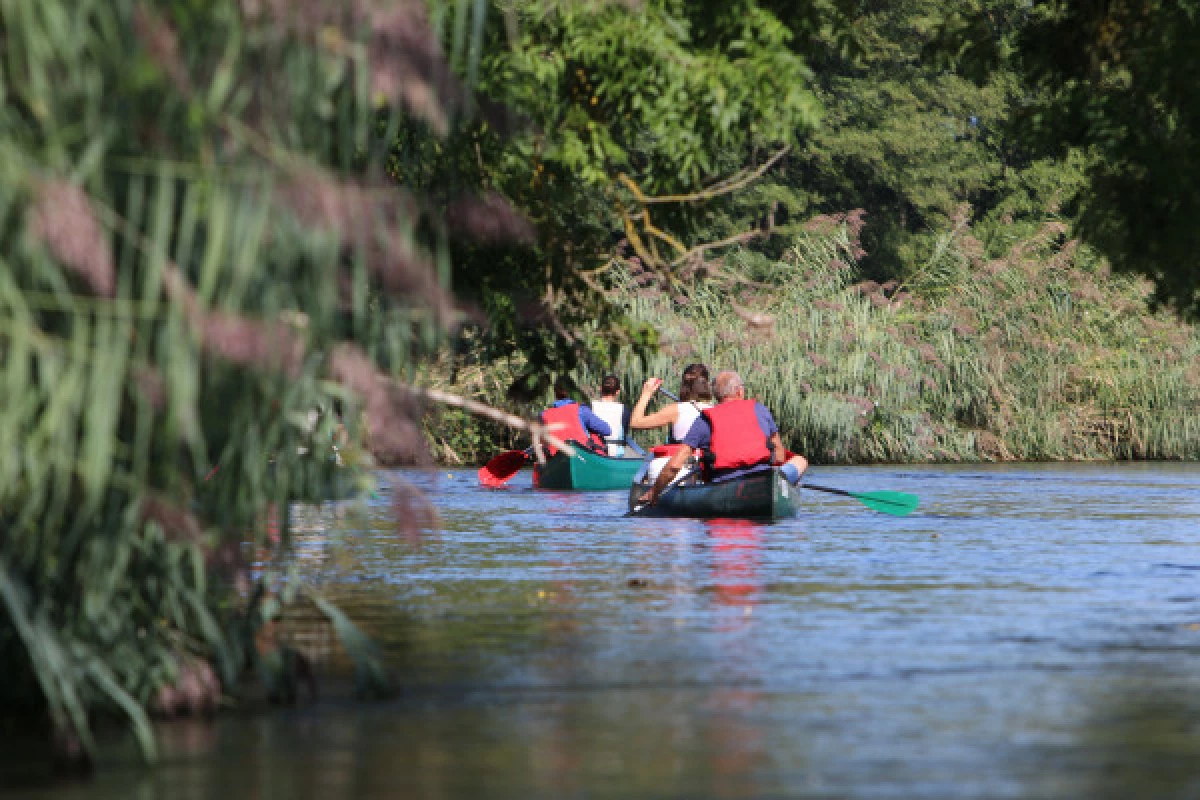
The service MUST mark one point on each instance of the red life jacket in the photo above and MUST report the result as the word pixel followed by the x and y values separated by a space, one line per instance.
pixel 737 438
pixel 570 427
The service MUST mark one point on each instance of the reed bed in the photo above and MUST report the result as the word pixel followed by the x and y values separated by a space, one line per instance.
pixel 1038 354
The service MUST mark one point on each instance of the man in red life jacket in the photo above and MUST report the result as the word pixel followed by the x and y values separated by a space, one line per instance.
pixel 737 434
pixel 575 423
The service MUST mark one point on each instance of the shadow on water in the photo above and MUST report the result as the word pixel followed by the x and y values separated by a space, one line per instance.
pixel 1041 646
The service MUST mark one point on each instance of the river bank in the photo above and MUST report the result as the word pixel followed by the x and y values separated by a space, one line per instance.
pixel 1002 351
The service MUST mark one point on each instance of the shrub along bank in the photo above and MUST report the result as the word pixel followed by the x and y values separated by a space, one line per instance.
pixel 1014 350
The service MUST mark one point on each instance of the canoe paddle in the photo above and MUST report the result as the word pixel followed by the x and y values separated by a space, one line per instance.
pixel 683 473
pixel 502 467
pixel 670 394
pixel 898 504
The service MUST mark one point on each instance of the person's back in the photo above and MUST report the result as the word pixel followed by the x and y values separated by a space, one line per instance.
pixel 610 409
pixel 737 433
pixel 688 413
pixel 573 422
pixel 696 396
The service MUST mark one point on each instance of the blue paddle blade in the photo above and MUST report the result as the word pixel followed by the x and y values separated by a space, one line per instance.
pixel 898 504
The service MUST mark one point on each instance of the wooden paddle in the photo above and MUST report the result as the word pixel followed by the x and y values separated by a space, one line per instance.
pixel 500 469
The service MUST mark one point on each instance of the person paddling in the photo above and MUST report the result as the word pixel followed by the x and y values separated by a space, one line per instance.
pixel 737 435
pixel 679 416
pixel 573 422
pixel 610 409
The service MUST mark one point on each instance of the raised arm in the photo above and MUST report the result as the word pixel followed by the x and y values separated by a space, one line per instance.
pixel 778 451
pixel 640 420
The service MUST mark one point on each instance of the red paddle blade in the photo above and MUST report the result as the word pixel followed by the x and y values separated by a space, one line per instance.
pixel 502 467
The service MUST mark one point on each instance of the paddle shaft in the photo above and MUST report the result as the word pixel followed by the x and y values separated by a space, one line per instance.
pixel 683 473
pixel 829 489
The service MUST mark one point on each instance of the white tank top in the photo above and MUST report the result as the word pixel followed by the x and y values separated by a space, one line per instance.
pixel 614 414
pixel 688 412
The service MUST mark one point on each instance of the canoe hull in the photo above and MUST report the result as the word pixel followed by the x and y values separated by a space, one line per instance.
pixel 585 472
pixel 764 495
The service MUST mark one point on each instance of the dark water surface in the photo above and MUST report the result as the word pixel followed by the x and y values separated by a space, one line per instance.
pixel 1033 631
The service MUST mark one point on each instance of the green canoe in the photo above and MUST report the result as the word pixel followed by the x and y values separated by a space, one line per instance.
pixel 760 495
pixel 585 471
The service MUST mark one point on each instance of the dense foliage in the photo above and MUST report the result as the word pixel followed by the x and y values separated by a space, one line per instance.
pixel 1036 354
pixel 930 154
pixel 1117 82
pixel 607 109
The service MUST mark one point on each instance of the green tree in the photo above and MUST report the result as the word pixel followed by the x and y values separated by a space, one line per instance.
pixel 674 97
pixel 909 141
pixel 1116 81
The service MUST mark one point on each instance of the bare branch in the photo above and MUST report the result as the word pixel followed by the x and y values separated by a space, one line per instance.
pixel 727 186
pixel 541 433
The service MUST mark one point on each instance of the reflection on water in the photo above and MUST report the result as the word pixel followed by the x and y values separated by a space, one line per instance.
pixel 1032 632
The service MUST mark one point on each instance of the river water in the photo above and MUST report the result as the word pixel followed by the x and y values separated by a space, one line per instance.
pixel 1032 631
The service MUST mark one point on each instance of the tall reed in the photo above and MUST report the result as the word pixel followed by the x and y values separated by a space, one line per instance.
pixel 1038 354
pixel 200 263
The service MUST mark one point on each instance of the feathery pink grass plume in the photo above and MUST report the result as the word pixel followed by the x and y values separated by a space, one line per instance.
pixel 62 219
pixel 160 41
pixel 366 219
pixel 392 414
pixel 490 218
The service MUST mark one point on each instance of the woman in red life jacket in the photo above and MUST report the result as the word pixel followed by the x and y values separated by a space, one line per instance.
pixel 737 434
pixel 573 422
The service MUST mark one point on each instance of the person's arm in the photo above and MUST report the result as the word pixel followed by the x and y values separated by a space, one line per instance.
pixel 778 451
pixel 592 423
pixel 698 438
pixel 640 420
pixel 667 475
pixel 766 421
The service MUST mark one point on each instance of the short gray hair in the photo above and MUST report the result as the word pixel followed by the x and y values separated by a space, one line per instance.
pixel 727 384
